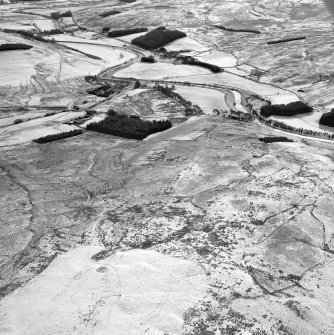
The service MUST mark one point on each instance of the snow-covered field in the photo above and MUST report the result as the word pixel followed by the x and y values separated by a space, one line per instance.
pixel 309 121
pixel 27 131
pixel 132 292
pixel 205 98
pixel 44 24
pixel 86 39
pixel 185 43
pixel 159 71
pixel 238 105
pixel 129 38
pixel 110 56
pixel 219 58
pixel 17 66
pixel 272 93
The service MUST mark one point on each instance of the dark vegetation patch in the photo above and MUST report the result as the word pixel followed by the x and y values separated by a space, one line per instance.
pixel 128 126
pixel 14 46
pixel 291 109
pixel 28 34
pixel 188 60
pixel 60 136
pixel 109 13
pixel 273 139
pixel 327 119
pixel 57 15
pixel 238 30
pixel 108 89
pixel 53 32
pixel 157 38
pixel 287 40
pixel 124 32
pixel 149 59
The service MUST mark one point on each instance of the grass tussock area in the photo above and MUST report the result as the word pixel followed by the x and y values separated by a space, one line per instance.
pixel 132 127
pixel 291 109
pixel 157 38
pixel 14 46
pixel 60 136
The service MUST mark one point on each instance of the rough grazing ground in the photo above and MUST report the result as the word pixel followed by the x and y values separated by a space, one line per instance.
pixel 198 230
pixel 257 218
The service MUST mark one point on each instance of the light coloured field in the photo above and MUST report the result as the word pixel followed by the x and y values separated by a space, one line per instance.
pixel 27 131
pixel 17 66
pixel 205 98
pixel 133 292
pixel 272 93
pixel 309 122
pixel 219 58
pixel 238 105
pixel 44 24
pixel 111 57
pixel 129 38
pixel 87 39
pixel 159 71
pixel 185 43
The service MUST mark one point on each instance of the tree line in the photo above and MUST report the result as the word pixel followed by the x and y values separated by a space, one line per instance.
pixel 291 109
pixel 272 139
pixel 157 38
pixel 124 32
pixel 300 131
pixel 126 126
pixel 57 15
pixel 59 136
pixel 190 109
pixel 238 30
pixel 14 46
pixel 188 60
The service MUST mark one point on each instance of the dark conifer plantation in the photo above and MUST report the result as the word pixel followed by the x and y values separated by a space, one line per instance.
pixel 291 109
pixel 157 38
pixel 128 126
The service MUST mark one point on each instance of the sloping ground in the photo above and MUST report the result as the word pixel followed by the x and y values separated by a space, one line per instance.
pixel 257 218
pixel 139 290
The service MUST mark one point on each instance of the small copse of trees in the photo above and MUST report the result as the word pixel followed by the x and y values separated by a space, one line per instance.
pixel 132 127
pixel 57 15
pixel 149 59
pixel 193 61
pixel 157 38
pixel 291 109
pixel 59 136
pixel 327 119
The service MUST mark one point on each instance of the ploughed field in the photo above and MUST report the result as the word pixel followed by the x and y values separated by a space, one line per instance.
pixel 199 229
